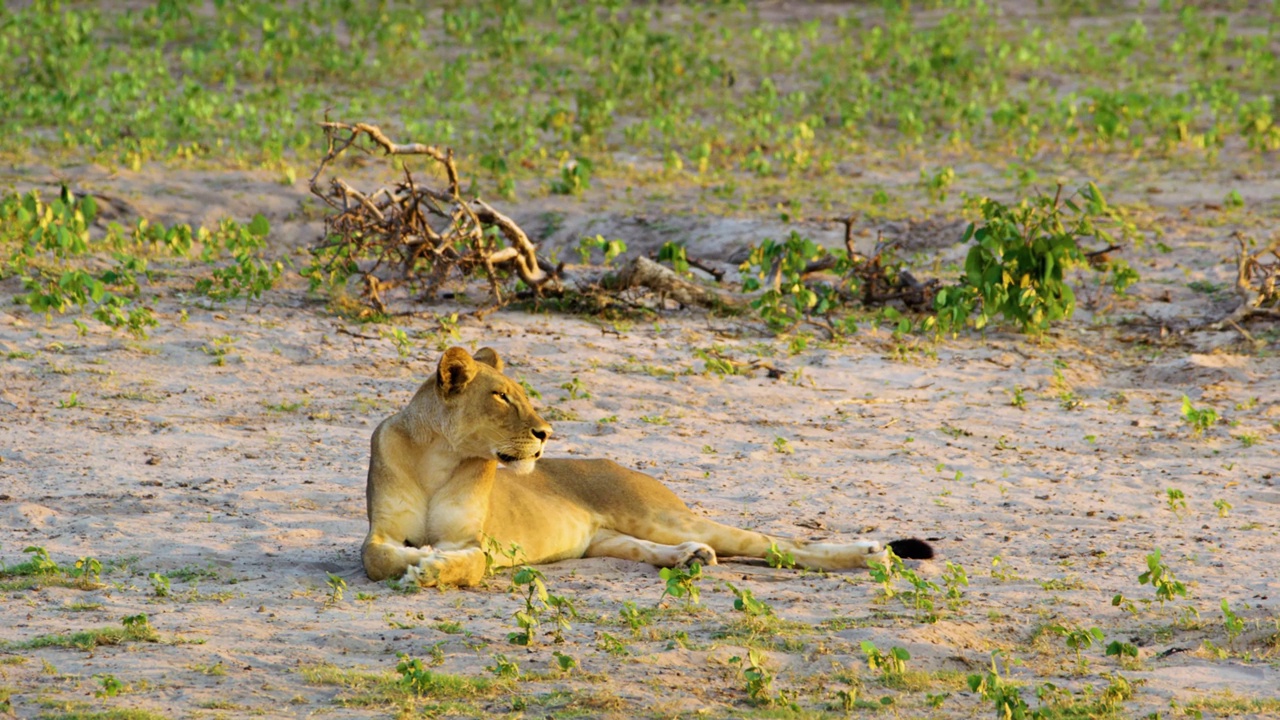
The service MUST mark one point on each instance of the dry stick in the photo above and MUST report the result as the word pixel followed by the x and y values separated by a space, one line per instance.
pixel 643 272
pixel 524 255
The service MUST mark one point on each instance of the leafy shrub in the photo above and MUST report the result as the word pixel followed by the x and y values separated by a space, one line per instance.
pixel 1017 264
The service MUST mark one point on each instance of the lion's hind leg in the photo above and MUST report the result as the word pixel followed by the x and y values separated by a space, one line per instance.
pixel 729 541
pixel 608 543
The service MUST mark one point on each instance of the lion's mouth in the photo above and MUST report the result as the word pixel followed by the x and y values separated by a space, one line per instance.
pixel 509 458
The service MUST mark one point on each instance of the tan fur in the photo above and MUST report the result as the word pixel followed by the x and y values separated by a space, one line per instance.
pixel 436 493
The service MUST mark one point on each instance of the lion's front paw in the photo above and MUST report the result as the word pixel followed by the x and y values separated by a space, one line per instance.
pixel 425 574
pixel 694 552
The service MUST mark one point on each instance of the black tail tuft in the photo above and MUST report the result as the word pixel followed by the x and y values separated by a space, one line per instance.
pixel 912 549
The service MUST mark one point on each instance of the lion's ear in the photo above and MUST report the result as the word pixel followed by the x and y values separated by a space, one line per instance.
pixel 489 356
pixel 456 369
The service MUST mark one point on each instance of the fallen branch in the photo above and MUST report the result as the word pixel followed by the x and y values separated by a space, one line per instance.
pixel 643 272
pixel 1255 284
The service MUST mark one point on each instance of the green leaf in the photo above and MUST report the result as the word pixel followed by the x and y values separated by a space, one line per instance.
pixel 259 227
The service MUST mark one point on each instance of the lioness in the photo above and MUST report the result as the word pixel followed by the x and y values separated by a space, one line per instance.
pixel 435 492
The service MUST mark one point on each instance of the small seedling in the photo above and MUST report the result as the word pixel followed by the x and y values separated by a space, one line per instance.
pixel 110 686
pixel 1006 697
pixel 759 679
pixel 1199 419
pixel 682 582
pixel 414 675
pixel 612 644
pixel 744 601
pixel 529 389
pixel 955 579
pixel 1125 653
pixel 779 558
pixel 1018 399
pixel 892 665
pixel 1079 639
pixel 633 616
pixel 566 662
pixel 504 667
pixel 160 584
pixel 886 573
pixel 1176 501
pixel 576 389
pixel 72 401
pixel 88 572
pixel 1160 577
pixel 1222 506
pixel 535 603
pixel 1231 622
pixel 404 346
pixel 781 445
pixel 337 586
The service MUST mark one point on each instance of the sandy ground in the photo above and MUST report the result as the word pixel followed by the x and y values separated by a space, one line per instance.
pixel 243 482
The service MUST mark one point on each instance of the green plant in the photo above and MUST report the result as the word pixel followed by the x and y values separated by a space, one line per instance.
pixel 337 586
pixel 1018 399
pixel 575 177
pixel 1078 639
pixel 72 401
pixel 537 603
pixel 249 275
pixel 682 582
pixel 110 686
pixel 160 585
pixel 777 270
pixel 674 254
pixel 414 676
pixel 566 663
pixel 504 667
pixel 955 579
pixel 1199 419
pixel 398 337
pixel 936 184
pixel 612 644
pixel 576 389
pixel 1121 650
pixel 1231 622
pixel 1176 501
pixel 1222 506
pixel 759 679
pixel 745 602
pixel 610 248
pixel 88 572
pixel 998 690
pixel 892 665
pixel 39 564
pixel 1017 263
pixel 1160 577
pixel 633 616
pixel 783 446
pixel 779 558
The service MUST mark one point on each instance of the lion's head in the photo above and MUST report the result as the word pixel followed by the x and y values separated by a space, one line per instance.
pixel 485 414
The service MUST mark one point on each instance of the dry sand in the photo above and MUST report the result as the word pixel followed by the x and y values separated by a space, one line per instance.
pixel 244 483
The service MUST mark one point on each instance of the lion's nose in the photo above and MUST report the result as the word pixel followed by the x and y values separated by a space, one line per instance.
pixel 541 433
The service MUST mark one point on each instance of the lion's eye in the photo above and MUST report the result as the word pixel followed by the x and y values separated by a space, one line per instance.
pixel 503 397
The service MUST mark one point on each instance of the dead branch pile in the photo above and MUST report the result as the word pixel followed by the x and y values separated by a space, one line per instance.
pixel 414 235
pixel 412 239
pixel 1255 283
pixel 880 277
